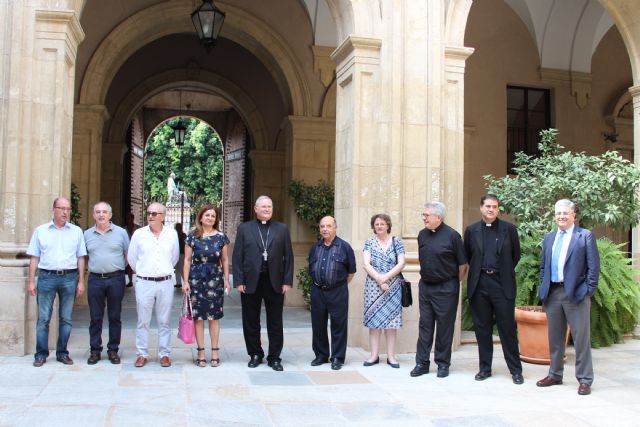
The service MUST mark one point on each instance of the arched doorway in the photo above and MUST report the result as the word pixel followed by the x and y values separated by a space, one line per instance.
pixel 229 178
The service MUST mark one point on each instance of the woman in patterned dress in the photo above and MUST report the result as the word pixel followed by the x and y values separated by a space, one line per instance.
pixel 206 276
pixel 383 261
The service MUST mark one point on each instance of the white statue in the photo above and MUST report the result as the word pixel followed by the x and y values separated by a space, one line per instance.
pixel 172 188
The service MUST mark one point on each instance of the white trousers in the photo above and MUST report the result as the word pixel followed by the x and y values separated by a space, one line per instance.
pixel 148 293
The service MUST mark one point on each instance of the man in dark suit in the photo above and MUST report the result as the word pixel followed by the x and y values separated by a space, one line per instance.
pixel 493 250
pixel 569 269
pixel 263 270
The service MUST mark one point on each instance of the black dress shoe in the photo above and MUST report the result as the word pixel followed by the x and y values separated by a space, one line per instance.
pixel 419 370
pixel 113 357
pixel 319 360
pixel 336 364
pixel 39 361
pixel 482 375
pixel 94 357
pixel 443 371
pixel 517 379
pixel 65 360
pixel 276 365
pixel 375 362
pixel 255 361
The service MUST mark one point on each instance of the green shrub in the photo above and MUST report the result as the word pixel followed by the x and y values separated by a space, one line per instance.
pixel 604 190
pixel 311 203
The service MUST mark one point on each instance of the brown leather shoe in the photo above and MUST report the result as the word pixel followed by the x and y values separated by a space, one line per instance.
pixel 584 389
pixel 165 361
pixel 140 362
pixel 548 381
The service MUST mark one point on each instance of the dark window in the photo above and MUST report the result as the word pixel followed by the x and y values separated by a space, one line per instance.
pixel 527 114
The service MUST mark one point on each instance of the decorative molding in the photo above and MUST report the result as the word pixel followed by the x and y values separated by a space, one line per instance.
pixel 455 58
pixel 580 83
pixel 323 64
pixel 581 87
pixel 66 18
pixel 364 47
pixel 635 94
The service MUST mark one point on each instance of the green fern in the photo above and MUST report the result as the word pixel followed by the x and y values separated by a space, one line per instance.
pixel 616 303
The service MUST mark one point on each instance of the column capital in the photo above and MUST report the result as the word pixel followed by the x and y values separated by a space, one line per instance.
pixel 456 57
pixel 312 127
pixel 635 93
pixel 94 112
pixel 354 49
pixel 59 25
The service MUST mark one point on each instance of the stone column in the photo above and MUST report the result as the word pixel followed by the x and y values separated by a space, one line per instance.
pixel 36 116
pixel 453 148
pixel 635 234
pixel 310 143
pixel 87 156
pixel 358 171
pixel 399 138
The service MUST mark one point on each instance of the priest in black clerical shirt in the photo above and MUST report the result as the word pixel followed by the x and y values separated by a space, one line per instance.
pixel 492 247
pixel 263 270
pixel 442 266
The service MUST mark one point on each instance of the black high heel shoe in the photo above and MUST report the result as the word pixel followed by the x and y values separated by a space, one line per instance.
pixel 375 362
pixel 201 362
pixel 215 362
pixel 393 365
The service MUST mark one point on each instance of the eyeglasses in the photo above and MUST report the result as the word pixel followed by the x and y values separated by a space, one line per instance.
pixel 63 209
pixel 154 214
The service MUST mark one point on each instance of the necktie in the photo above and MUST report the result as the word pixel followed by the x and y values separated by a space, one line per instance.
pixel 555 257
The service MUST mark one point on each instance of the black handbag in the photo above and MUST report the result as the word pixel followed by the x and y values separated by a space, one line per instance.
pixel 405 285
pixel 405 288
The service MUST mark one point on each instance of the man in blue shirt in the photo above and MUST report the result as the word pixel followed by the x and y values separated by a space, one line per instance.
pixel 57 251
pixel 332 265
pixel 107 246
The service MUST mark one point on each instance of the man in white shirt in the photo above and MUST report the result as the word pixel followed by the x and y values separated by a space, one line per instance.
pixel 153 253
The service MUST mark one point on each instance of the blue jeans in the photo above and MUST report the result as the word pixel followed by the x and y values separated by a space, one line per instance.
pixel 110 290
pixel 48 286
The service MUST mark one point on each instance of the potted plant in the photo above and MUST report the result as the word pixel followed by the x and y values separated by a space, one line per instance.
pixel 604 189
pixel 311 203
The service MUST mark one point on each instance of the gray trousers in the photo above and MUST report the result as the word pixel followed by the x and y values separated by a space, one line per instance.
pixel 561 310
pixel 149 293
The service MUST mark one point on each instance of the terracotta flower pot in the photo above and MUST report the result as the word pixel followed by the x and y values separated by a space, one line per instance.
pixel 533 334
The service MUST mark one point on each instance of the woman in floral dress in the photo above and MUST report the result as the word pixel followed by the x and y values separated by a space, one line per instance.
pixel 383 261
pixel 206 276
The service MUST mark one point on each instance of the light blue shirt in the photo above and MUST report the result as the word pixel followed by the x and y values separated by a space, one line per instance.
pixel 57 248
pixel 563 251
pixel 106 251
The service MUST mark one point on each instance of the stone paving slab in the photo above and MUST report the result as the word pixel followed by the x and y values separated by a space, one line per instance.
pixel 235 395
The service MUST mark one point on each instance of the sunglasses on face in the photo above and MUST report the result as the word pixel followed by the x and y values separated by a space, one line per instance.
pixel 154 214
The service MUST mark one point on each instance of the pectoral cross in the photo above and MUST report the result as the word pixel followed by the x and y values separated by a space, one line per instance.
pixel 265 255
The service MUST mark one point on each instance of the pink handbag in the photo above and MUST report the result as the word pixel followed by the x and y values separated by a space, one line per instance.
pixel 186 328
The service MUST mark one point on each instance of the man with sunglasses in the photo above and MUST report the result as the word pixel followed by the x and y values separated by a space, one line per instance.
pixel 57 251
pixel 153 253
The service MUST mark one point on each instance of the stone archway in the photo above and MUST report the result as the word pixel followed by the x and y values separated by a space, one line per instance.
pixel 102 181
pixel 240 27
